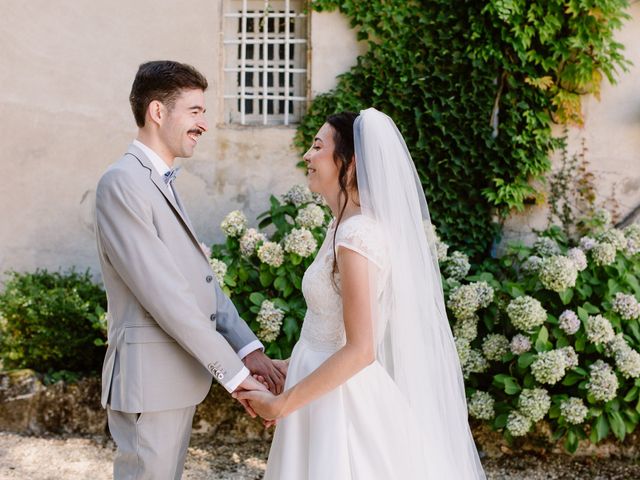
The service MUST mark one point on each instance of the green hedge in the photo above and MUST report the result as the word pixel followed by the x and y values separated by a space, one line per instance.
pixel 52 322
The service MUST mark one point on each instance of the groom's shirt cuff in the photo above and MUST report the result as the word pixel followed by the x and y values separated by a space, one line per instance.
pixel 251 347
pixel 232 384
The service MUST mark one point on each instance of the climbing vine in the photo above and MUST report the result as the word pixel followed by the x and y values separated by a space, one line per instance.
pixel 474 87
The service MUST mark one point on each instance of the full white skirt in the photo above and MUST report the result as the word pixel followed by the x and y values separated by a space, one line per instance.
pixel 362 430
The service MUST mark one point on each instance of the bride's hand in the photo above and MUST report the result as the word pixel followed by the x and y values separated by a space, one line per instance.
pixel 265 404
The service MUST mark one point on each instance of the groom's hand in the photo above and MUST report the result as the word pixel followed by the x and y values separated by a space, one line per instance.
pixel 261 365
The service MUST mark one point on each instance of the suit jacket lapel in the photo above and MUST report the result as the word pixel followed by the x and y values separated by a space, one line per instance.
pixel 173 200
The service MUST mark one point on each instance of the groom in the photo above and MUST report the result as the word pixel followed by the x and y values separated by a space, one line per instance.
pixel 171 328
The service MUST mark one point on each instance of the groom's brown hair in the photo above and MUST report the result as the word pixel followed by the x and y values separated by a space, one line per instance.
pixel 162 80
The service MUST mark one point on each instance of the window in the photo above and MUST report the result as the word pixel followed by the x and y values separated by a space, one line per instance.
pixel 265 72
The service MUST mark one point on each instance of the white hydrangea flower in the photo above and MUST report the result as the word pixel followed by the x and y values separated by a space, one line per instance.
pixel 464 301
pixel 531 265
pixel 311 216
pixel 485 293
pixel 520 344
pixel 603 382
pixel 603 254
pixel 481 406
pixel 475 363
pixel 526 313
pixel 441 250
pixel 570 356
pixel 466 328
pixel 270 319
pixel 628 362
pixel 549 367
pixel 599 330
pixel 518 425
pixel 573 410
pixel 626 358
pixel 219 269
pixel 457 266
pixel 495 346
pixel 534 403
pixel 632 231
pixel 441 247
pixel 271 253
pixel 250 240
pixel 626 306
pixel 632 248
pixel 615 237
pixel 298 195
pixel 234 224
pixel 587 243
pixel 463 348
pixel 546 247
pixel 578 257
pixel 558 273
pixel 569 322
pixel 632 234
pixel 602 216
pixel 301 242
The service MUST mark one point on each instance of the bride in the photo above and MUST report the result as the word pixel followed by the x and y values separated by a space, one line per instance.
pixel 374 388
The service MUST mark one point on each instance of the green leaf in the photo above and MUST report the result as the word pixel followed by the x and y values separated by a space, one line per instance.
pixel 566 296
pixel 542 340
pixel 257 298
pixel 571 442
pixel 617 425
pixel 631 395
pixel 589 308
pixel 526 359
pixel 280 283
pixel 290 328
pixel 265 278
pixel 601 428
pixel 500 421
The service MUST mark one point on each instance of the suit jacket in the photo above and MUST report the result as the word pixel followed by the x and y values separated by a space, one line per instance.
pixel 170 326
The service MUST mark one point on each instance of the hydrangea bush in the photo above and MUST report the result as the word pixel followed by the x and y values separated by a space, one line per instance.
pixel 559 338
pixel 261 268
pixel 548 333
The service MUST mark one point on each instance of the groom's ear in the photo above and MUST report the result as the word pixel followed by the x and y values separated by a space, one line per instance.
pixel 156 111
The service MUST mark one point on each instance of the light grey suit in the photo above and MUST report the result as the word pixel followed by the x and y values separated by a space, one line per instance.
pixel 171 328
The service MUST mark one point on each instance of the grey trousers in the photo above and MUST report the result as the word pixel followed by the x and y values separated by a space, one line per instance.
pixel 151 445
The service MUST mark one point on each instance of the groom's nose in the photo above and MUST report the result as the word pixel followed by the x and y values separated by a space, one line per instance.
pixel 203 125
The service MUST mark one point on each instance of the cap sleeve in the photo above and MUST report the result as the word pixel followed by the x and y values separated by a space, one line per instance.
pixel 362 235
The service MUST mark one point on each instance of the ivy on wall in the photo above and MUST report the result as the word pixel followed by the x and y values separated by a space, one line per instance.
pixel 474 88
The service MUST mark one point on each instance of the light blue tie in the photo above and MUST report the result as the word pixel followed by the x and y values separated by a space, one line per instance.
pixel 171 175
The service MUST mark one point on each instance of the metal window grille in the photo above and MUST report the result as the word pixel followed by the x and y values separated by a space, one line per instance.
pixel 265 62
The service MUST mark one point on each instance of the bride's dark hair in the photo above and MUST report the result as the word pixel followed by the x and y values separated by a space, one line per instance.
pixel 344 158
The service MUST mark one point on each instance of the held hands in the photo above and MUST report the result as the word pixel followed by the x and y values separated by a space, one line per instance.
pixel 248 384
pixel 271 373
pixel 270 407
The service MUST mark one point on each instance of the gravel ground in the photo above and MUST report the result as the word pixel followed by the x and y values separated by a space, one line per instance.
pixel 74 458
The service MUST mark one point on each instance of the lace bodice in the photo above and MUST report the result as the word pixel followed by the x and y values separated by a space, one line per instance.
pixel 323 326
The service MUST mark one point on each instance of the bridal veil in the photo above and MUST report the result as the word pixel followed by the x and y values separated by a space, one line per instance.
pixel 415 343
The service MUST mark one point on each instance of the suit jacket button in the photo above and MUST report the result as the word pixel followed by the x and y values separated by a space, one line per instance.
pixel 209 278
pixel 213 317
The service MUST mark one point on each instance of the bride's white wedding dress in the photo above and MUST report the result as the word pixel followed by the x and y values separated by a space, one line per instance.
pixel 364 429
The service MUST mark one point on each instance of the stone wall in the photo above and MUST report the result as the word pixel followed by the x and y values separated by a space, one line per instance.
pixel 67 68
